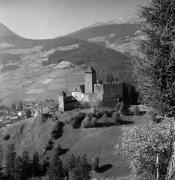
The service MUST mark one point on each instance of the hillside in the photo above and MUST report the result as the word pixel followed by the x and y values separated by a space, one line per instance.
pixel 120 36
pixel 33 135
pixel 104 60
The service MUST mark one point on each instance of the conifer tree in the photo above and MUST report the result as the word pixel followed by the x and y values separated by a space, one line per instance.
pixel 18 168
pixel 55 170
pixel 10 160
pixel 26 172
pixel 1 160
pixel 35 164
pixel 157 70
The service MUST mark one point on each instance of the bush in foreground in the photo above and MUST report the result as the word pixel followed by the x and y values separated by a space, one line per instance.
pixel 148 149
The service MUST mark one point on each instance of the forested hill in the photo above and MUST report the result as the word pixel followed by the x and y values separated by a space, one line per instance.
pixel 104 60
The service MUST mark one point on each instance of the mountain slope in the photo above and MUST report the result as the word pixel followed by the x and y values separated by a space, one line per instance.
pixel 119 37
pixel 120 30
pixel 104 60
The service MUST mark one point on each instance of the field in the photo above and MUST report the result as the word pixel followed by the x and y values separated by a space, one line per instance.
pixel 33 81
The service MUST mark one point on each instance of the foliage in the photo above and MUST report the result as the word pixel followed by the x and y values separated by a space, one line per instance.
pixel 95 164
pixel 20 106
pixel 1 161
pixel 10 160
pixel 56 170
pixel 13 107
pixel 96 56
pixel 78 168
pixel 28 113
pixel 142 145
pixel 6 137
pixel 86 122
pixel 57 130
pixel 6 58
pixel 35 164
pixel 77 119
pixel 116 117
pixel 156 73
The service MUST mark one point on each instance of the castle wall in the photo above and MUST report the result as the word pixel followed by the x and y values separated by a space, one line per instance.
pixel 93 98
pixel 109 91
pixel 113 90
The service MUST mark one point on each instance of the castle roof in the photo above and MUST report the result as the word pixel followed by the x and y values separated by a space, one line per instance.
pixel 61 92
pixel 90 70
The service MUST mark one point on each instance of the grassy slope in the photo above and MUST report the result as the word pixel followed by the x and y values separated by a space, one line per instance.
pixel 33 135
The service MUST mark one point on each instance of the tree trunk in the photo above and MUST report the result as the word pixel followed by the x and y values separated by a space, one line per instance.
pixel 171 167
pixel 157 167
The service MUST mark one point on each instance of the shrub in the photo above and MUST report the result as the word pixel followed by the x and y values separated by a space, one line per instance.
pixel 93 122
pixel 142 145
pixel 98 115
pixel 104 117
pixel 90 115
pixel 40 178
pixel 77 119
pixel 50 142
pixel 86 122
pixel 48 147
pixel 95 164
pixel 6 137
pixel 85 105
pixel 136 110
pixel 116 117
pixel 57 130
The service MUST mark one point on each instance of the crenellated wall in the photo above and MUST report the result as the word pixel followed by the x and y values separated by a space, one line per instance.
pixel 107 91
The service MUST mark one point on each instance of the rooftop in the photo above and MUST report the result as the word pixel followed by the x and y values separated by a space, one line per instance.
pixel 90 70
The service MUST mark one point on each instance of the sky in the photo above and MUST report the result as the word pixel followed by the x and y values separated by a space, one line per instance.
pixel 41 19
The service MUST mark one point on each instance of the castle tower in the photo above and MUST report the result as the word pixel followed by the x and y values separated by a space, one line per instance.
pixel 90 80
pixel 61 102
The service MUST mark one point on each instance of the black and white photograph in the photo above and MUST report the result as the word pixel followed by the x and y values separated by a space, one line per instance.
pixel 87 89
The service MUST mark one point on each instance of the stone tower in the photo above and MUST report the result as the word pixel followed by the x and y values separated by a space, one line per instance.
pixel 61 101
pixel 90 80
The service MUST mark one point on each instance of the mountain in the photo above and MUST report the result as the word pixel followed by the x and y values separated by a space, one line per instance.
pixel 29 68
pixel 119 35
pixel 10 39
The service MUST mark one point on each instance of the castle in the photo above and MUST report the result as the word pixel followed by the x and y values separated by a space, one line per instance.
pixel 92 91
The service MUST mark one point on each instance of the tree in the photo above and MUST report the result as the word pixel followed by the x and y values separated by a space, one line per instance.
pixel 79 168
pixel 95 164
pixel 10 160
pixel 28 113
pixel 148 149
pixel 20 106
pixel 110 77
pixel 156 75
pixel 18 168
pixel 35 164
pixel 13 107
pixel 26 173
pixel 1 161
pixel 55 170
